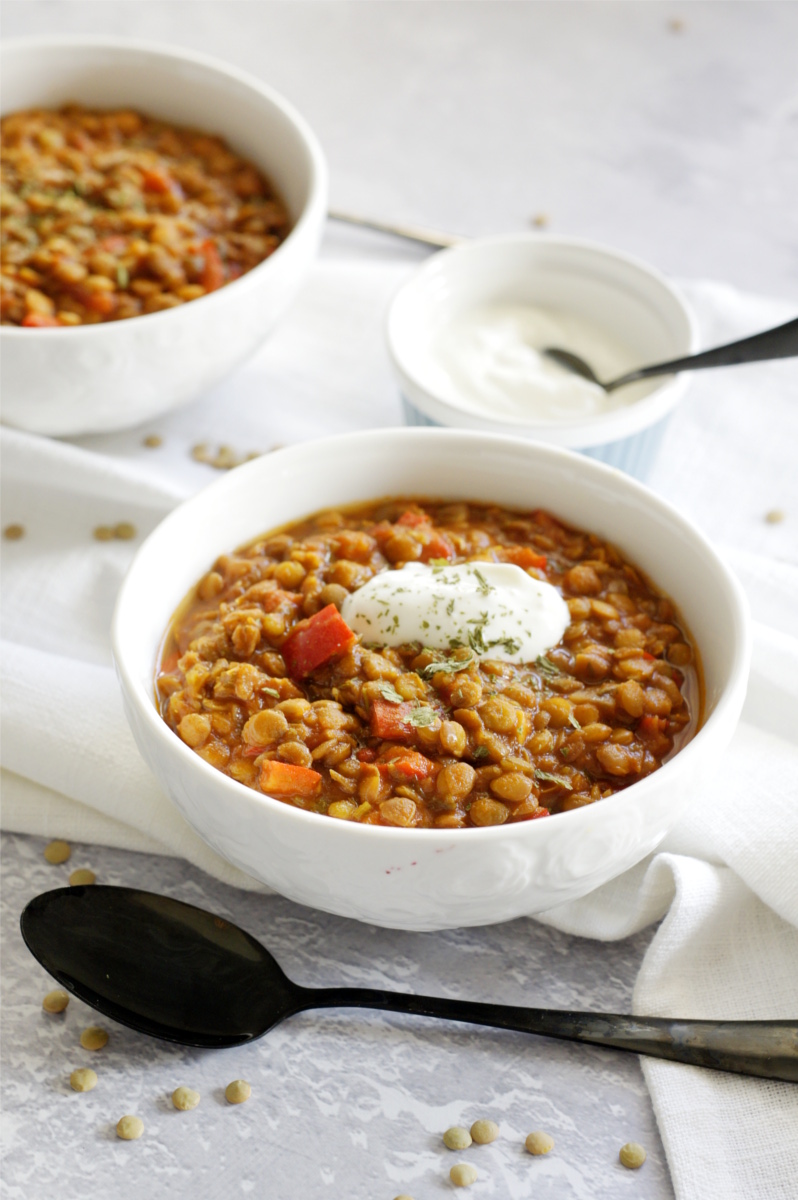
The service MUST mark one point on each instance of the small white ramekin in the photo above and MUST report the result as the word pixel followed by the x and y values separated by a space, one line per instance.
pixel 97 378
pixel 631 301
pixel 430 878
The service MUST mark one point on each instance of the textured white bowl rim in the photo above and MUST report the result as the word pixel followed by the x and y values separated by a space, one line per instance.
pixel 618 423
pixel 145 702
pixel 318 188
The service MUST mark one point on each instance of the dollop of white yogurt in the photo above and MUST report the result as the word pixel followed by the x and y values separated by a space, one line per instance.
pixel 487 360
pixel 495 609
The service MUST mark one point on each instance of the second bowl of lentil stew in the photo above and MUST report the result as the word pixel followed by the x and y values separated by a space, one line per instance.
pixel 402 783
pixel 160 211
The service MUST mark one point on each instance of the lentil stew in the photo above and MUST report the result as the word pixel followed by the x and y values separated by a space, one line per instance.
pixel 261 676
pixel 110 215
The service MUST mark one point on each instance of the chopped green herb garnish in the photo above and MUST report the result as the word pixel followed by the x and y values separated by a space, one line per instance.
pixel 484 586
pixel 270 692
pixel 122 276
pixel 546 667
pixel 450 665
pixel 480 752
pixel 390 693
pixel 558 779
pixel 573 721
pixel 422 716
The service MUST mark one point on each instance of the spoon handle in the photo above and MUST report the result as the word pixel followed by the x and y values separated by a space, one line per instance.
pixel 767 1049
pixel 411 233
pixel 781 342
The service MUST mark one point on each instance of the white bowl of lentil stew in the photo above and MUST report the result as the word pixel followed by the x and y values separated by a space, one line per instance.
pixel 403 784
pixel 465 332
pixel 160 209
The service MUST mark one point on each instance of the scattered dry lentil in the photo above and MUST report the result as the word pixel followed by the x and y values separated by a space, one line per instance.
pixel 457 1138
pixel 237 1092
pixel 56 1001
pixel 103 533
pixel 676 25
pixel 483 1132
pixel 540 220
pixel 463 1175
pixel 82 877
pixel 632 1155
pixel 224 459
pixel 57 852
pixel 185 1098
pixel 539 1143
pixel 14 532
pixel 124 531
pixel 83 1079
pixel 774 517
pixel 93 1038
pixel 152 441
pixel 129 1128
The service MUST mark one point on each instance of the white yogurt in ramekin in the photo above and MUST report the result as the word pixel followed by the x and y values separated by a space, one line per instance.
pixel 489 360
pixel 461 333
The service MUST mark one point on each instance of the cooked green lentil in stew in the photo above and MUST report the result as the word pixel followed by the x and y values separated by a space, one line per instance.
pixel 262 677
pixel 109 215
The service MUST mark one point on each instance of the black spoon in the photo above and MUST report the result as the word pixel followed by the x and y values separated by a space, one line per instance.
pixel 180 973
pixel 781 342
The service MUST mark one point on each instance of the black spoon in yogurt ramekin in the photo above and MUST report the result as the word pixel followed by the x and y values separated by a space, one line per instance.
pixel 781 342
pixel 180 973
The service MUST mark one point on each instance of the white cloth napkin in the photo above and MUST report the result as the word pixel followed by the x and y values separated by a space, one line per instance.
pixel 726 879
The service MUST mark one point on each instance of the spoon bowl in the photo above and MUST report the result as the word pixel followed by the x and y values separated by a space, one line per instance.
pixel 180 973
pixel 158 965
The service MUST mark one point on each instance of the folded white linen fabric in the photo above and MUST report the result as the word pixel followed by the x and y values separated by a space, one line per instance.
pixel 725 880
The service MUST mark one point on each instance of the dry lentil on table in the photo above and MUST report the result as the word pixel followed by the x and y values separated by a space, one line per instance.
pixel 500 742
pixel 94 1038
pixel 110 215
pixel 55 1001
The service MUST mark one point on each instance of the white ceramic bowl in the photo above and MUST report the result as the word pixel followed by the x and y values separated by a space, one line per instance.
pixel 429 878
pixel 94 378
pixel 628 300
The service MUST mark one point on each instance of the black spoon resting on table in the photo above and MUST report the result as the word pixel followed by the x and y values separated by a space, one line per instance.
pixel 180 973
pixel 781 342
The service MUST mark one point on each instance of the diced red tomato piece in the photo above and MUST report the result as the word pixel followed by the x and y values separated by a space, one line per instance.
pixel 648 657
pixel 34 320
pixel 436 547
pixel 314 642
pixel 155 179
pixel 99 302
pixel 391 722
pixel 539 812
pixel 413 519
pixel 212 276
pixel 652 725
pixel 115 243
pixel 524 556
pixel 411 765
pixel 288 779
pixel 366 755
